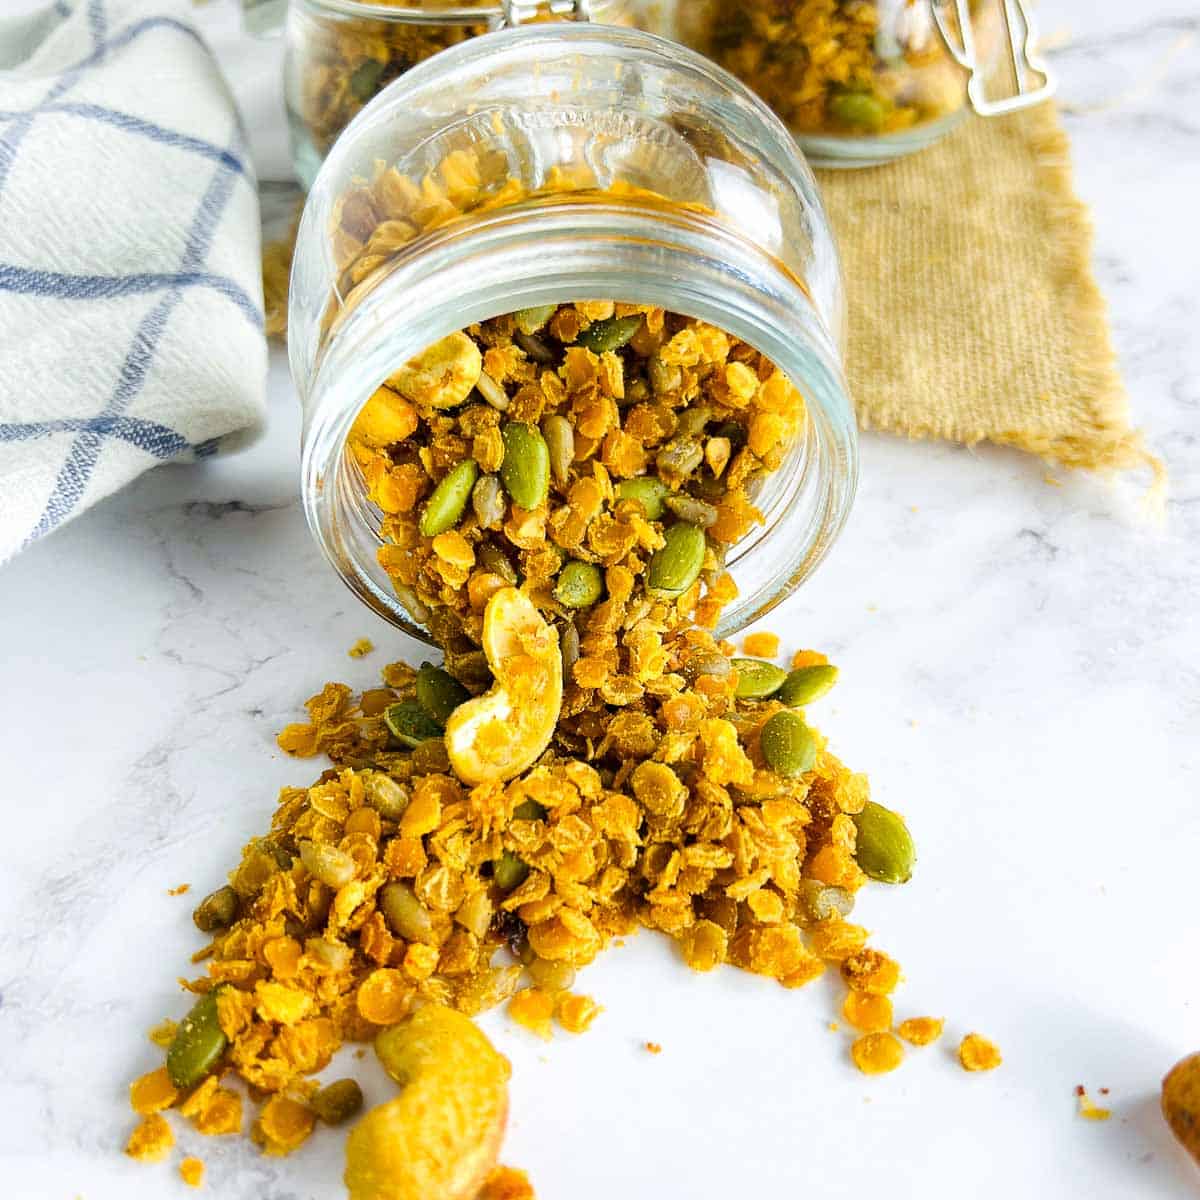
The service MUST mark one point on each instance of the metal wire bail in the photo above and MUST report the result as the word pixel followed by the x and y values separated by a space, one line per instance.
pixel 1033 78
pixel 517 12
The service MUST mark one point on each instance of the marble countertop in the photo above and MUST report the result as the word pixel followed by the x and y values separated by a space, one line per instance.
pixel 1021 673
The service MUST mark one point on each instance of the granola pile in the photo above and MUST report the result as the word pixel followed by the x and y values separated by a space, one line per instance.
pixel 842 67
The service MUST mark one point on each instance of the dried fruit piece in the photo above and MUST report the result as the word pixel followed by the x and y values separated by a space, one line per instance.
pixel 806 684
pixel 1181 1103
pixel 448 502
pixel 199 1042
pixel 884 848
pixel 442 375
pixel 757 680
pixel 788 745
pixel 500 733
pixel 439 1138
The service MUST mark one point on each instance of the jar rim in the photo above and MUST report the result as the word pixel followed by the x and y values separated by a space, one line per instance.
pixel 417 14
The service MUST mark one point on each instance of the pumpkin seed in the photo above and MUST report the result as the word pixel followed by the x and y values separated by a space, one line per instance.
pixel 487 499
pixel 525 471
pixel 529 810
pixel 612 334
pixel 649 492
pixel 788 745
pixel 439 693
pixel 884 849
pixel 405 914
pixel 550 975
pixel 706 662
pixel 333 867
pixel 695 512
pixel 509 871
pixel 568 648
pixel 493 559
pixel 675 565
pixel 806 684
pixel 430 757
pixel 409 723
pixel 692 420
pixel 492 392
pixel 757 679
pixel 664 379
pixel 337 1102
pixel 678 459
pixel 364 80
pixel 218 910
pixel 385 795
pixel 198 1043
pixel 860 109
pixel 579 584
pixel 535 347
pixel 530 320
pixel 820 902
pixel 449 499
pixel 560 442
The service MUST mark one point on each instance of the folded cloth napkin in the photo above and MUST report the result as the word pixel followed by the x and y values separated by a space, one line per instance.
pixel 131 328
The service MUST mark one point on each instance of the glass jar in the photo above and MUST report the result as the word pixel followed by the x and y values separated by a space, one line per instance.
pixel 861 82
pixel 636 171
pixel 342 53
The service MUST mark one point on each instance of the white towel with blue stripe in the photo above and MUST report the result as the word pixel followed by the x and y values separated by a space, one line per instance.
pixel 130 280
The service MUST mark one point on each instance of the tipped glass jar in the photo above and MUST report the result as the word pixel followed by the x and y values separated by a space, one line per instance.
pixel 342 53
pixel 860 82
pixel 633 252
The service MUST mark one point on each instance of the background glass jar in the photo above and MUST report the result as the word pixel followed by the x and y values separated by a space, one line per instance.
pixel 860 82
pixel 634 171
pixel 342 53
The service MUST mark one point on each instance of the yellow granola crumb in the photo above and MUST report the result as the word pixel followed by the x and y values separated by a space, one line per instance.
pixel 921 1031
pixel 283 1125
pixel 361 648
pixel 1087 1109
pixel 152 1092
pixel 761 645
pixel 180 890
pixel 191 1171
pixel 163 1034
pixel 576 1013
pixel 867 1012
pixel 977 1053
pixel 877 1053
pixel 151 1141
pixel 532 1008
pixel 653 1048
pixel 507 1183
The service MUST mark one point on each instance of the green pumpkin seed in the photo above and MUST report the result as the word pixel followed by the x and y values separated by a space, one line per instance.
pixel 579 584
pixel 430 757
pixel 788 745
pixel 664 379
pixel 198 1043
pixel 530 320
pixel 525 471
pixel 675 565
pixel 218 910
pixel 560 441
pixel 439 693
pixel 364 79
pixel 535 347
pixel 649 492
pixel 806 684
pixel 337 1102
pixel 449 499
pixel 333 867
pixel 678 459
pixel 529 810
pixel 706 662
pixel 612 334
pixel 692 420
pixel 405 914
pixel 757 679
pixel 385 796
pixel 884 849
pixel 493 559
pixel 860 109
pixel 509 871
pixel 409 723
pixel 695 512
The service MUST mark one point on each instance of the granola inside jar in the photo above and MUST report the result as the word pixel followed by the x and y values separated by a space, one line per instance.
pixel 342 53
pixel 584 341
pixel 857 81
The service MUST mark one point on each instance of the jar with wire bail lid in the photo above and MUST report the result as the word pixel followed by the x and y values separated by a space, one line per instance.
pixel 619 282
pixel 860 82
pixel 342 53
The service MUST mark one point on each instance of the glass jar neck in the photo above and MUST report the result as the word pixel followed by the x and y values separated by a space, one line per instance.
pixel 562 251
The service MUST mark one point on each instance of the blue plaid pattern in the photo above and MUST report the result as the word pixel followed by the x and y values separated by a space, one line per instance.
pixel 87 436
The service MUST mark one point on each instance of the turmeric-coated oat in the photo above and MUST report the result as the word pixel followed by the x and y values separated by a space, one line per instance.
pixel 920 1031
pixel 191 1171
pixel 877 1053
pixel 977 1053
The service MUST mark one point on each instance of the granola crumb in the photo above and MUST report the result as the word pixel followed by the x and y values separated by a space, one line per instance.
pixel 921 1031
pixel 191 1171
pixel 532 1009
pixel 151 1141
pixel 652 1047
pixel 180 890
pixel 977 1053
pixel 576 1013
pixel 877 1053
pixel 761 645
pixel 361 648
pixel 1087 1109
pixel 507 1183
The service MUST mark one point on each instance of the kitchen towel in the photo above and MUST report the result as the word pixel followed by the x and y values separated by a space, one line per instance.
pixel 973 310
pixel 131 326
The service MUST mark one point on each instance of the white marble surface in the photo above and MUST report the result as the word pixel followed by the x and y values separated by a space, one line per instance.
pixel 1021 667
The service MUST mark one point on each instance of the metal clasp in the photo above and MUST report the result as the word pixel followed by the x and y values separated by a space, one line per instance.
pixel 517 12
pixel 1034 79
